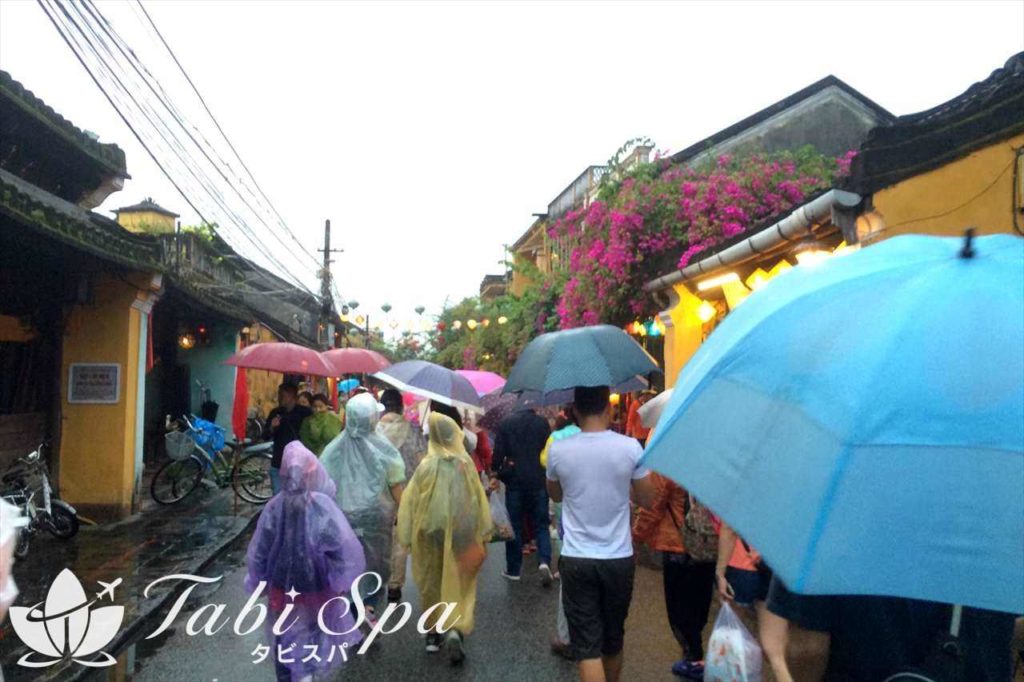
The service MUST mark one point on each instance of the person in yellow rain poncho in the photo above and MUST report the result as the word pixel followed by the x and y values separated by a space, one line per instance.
pixel 445 519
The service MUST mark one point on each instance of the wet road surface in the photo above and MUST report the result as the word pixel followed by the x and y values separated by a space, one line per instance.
pixel 515 622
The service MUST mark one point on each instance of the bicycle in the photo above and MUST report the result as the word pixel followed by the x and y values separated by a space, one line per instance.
pixel 198 451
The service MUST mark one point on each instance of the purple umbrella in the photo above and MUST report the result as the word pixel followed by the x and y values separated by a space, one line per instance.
pixel 431 381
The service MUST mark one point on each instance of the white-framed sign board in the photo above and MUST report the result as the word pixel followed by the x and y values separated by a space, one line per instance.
pixel 94 382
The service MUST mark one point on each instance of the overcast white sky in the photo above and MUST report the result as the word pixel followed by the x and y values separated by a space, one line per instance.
pixel 429 132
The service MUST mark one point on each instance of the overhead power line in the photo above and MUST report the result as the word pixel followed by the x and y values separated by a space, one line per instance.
pixel 103 54
pixel 207 109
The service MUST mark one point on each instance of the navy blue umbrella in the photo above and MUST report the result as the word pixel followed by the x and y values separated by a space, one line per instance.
pixel 588 356
pixel 431 381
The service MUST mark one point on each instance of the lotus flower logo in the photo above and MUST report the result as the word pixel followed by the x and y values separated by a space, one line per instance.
pixel 66 626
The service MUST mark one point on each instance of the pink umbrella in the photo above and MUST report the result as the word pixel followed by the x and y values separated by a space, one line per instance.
pixel 483 382
pixel 356 360
pixel 287 358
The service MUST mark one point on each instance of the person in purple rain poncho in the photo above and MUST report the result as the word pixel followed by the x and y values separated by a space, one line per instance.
pixel 304 544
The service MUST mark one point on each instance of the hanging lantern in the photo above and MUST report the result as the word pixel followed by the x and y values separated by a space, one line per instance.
pixel 187 341
pixel 457 324
pixel 502 320
pixel 486 322
pixel 360 320
pixel 386 308
pixel 441 326
pixel 471 324
pixel 419 310
pixel 394 324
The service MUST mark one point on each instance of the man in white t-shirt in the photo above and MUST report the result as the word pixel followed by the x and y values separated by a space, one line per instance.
pixel 592 474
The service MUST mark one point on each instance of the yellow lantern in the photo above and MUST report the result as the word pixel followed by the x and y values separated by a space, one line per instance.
pixel 706 311
pixel 471 324
pixel 614 398
pixel 457 324
pixel 502 320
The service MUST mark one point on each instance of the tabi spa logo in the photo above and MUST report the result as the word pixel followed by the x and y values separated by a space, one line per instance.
pixel 69 626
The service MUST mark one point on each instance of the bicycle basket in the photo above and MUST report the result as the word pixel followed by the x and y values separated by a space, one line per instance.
pixel 179 445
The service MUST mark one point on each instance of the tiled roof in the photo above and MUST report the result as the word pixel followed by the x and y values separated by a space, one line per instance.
pixel 146 205
pixel 988 111
pixel 36 208
pixel 110 156
pixel 780 106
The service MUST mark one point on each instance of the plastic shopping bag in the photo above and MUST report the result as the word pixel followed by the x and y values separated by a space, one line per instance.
pixel 499 516
pixel 733 655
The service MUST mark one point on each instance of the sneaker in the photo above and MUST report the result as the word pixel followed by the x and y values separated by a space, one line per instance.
pixel 453 647
pixel 545 575
pixel 560 648
pixel 434 641
pixel 509 576
pixel 691 670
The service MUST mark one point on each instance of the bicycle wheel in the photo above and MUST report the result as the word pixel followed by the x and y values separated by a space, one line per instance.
pixel 63 524
pixel 176 480
pixel 251 478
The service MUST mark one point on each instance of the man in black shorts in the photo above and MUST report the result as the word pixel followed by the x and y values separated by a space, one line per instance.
pixel 592 474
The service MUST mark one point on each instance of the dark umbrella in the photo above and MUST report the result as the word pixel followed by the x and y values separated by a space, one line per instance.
pixel 567 395
pixel 589 356
pixel 497 406
pixel 431 381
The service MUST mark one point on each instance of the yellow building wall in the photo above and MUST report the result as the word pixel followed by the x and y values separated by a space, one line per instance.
pixel 975 191
pixel 148 222
pixel 684 332
pixel 97 459
pixel 262 384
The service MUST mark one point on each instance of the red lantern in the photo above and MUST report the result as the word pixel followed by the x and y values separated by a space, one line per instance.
pixel 441 326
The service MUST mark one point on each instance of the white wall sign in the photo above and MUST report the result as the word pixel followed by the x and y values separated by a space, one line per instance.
pixel 94 382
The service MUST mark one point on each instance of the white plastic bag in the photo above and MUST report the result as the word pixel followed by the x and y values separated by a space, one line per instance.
pixel 499 516
pixel 733 655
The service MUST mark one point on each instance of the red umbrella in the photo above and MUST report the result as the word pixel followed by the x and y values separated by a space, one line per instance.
pixel 356 360
pixel 287 358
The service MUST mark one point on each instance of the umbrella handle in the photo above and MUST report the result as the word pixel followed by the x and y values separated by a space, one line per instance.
pixel 954 622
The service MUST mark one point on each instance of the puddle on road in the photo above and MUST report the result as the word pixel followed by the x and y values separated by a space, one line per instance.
pixel 133 658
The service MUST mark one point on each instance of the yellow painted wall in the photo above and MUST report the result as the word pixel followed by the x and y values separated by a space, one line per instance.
pixel 97 458
pixel 262 384
pixel 148 222
pixel 975 191
pixel 683 332
pixel 520 282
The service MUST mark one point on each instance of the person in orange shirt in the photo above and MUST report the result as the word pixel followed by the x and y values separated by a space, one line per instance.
pixel 634 425
pixel 743 579
pixel 688 583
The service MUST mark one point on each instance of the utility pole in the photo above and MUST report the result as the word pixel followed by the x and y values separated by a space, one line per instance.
pixel 327 299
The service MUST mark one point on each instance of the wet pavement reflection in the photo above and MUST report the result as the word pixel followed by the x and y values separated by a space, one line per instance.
pixel 157 542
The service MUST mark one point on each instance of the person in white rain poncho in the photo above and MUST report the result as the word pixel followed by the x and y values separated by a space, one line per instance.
pixel 369 473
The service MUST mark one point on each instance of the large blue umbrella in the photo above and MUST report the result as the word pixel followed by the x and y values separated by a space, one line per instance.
pixel 861 423
pixel 431 381
pixel 588 356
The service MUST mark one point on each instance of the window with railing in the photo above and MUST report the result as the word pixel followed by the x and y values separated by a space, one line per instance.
pixel 579 192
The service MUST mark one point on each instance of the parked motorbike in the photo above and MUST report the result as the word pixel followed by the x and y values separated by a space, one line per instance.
pixel 26 484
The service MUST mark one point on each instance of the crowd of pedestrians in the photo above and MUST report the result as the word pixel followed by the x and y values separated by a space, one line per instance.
pixel 386 492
